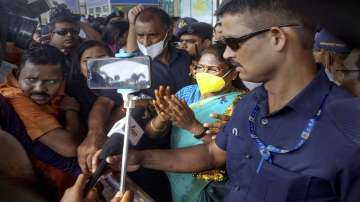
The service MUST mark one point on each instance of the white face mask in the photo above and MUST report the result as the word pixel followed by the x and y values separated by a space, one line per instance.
pixel 251 85
pixel 154 50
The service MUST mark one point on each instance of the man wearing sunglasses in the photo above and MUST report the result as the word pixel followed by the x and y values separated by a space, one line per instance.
pixel 283 125
pixel 64 34
pixel 280 145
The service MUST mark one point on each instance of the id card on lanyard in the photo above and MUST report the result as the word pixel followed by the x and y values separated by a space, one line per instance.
pixel 267 150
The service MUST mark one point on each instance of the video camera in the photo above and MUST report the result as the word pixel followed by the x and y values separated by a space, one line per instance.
pixel 16 17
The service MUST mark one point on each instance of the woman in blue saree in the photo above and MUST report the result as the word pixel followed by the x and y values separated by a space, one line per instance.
pixel 188 111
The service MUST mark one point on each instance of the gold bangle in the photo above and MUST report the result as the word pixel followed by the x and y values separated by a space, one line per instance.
pixel 155 128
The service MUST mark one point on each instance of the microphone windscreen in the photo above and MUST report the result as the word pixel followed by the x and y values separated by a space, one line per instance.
pixel 112 146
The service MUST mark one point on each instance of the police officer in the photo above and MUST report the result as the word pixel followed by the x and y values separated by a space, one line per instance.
pixel 194 38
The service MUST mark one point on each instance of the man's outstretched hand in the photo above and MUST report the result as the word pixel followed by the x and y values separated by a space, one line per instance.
pixel 134 161
pixel 87 149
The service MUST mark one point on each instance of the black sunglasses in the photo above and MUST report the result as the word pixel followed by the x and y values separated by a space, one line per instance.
pixel 234 42
pixel 63 32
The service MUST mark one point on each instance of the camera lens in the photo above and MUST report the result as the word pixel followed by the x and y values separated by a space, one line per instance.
pixel 20 30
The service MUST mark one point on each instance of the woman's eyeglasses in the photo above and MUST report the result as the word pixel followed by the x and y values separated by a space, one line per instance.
pixel 208 69
pixel 234 42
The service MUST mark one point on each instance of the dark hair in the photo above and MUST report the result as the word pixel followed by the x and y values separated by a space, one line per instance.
pixel 43 54
pixel 148 14
pixel 218 49
pixel 98 24
pixel 114 30
pixel 267 13
pixel 75 72
pixel 116 13
pixel 60 20
pixel 61 13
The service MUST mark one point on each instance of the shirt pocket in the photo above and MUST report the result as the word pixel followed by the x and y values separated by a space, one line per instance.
pixel 236 153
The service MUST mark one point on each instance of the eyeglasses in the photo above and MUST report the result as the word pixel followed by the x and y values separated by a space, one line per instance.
pixel 208 69
pixel 63 32
pixel 234 42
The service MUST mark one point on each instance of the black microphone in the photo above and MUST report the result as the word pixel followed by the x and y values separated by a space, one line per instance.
pixel 112 146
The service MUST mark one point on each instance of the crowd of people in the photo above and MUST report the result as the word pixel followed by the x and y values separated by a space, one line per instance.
pixel 259 107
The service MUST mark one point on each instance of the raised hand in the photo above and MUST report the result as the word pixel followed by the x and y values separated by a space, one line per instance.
pixel 134 12
pixel 160 104
pixel 183 116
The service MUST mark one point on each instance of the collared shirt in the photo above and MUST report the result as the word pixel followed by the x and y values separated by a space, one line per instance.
pixel 326 168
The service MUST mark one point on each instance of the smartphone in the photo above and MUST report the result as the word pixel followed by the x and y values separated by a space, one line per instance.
pixel 119 73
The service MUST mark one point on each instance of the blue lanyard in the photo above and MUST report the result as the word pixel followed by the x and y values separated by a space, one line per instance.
pixel 266 150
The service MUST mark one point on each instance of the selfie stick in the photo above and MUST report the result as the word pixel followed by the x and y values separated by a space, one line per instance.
pixel 129 104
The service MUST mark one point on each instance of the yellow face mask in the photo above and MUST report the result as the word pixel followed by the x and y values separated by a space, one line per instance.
pixel 209 83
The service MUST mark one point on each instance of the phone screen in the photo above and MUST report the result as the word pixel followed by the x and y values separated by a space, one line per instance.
pixel 119 73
